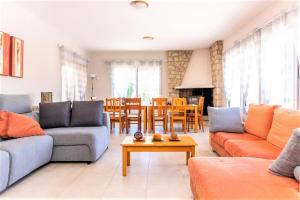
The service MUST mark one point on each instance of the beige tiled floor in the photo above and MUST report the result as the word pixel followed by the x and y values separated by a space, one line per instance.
pixel 151 176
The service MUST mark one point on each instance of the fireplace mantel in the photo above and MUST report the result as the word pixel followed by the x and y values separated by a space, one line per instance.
pixel 193 87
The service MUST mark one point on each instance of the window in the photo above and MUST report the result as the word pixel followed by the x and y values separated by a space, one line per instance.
pixel 74 76
pixel 136 79
pixel 266 67
pixel 278 62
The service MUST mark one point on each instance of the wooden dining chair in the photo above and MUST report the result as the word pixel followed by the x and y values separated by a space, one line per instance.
pixel 114 107
pixel 133 112
pixel 178 113
pixel 159 113
pixel 191 116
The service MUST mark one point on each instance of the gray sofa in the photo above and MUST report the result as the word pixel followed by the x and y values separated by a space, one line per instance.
pixel 19 157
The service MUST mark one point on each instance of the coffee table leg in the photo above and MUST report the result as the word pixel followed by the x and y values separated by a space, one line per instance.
pixel 188 155
pixel 128 158
pixel 124 161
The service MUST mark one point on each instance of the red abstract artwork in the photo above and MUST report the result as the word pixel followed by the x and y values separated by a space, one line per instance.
pixel 4 53
pixel 17 50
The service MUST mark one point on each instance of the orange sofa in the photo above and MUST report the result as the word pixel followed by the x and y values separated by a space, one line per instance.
pixel 245 174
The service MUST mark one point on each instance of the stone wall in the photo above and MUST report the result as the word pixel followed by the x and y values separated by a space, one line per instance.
pixel 177 62
pixel 216 51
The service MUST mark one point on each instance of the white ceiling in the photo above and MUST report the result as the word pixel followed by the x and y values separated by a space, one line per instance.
pixel 175 24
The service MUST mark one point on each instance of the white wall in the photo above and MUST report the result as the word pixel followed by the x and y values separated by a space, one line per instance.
pixel 97 65
pixel 258 22
pixel 42 70
pixel 198 72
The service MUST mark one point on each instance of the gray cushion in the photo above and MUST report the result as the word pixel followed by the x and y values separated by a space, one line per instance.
pixel 225 120
pixel 289 157
pixel 54 115
pixel 87 113
pixel 96 138
pixel 297 173
pixel 15 103
pixel 27 154
pixel 4 170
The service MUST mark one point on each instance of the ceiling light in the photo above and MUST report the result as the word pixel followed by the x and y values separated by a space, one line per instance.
pixel 148 38
pixel 139 4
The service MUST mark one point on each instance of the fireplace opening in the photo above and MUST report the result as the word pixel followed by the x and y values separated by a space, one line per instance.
pixel 193 94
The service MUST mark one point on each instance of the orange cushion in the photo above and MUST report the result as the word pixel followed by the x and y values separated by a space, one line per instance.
pixel 259 119
pixel 257 149
pixel 284 122
pixel 221 137
pixel 15 125
pixel 238 178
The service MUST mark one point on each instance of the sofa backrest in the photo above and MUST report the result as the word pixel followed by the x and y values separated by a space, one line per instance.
pixel 283 124
pixel 259 119
pixel 15 103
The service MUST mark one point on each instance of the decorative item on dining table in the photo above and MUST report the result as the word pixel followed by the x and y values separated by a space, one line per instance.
pixel 157 137
pixel 174 137
pixel 138 136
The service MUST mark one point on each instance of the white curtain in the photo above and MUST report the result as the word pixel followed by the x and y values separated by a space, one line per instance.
pixel 232 72
pixel 136 79
pixel 123 78
pixel 265 63
pixel 149 80
pixel 249 65
pixel 278 62
pixel 298 51
pixel 74 76
pixel 241 72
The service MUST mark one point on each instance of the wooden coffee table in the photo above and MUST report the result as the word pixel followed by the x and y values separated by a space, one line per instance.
pixel 187 144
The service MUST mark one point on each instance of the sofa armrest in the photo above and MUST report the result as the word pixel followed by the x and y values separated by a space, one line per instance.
pixel 4 169
pixel 106 120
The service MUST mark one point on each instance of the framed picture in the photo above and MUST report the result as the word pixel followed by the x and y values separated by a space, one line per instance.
pixel 17 52
pixel 4 53
pixel 46 97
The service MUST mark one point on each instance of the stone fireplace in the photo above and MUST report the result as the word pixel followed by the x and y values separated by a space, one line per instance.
pixel 197 73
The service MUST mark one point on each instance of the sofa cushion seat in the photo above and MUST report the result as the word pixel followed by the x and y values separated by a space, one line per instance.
pixel 247 148
pixel 238 178
pixel 221 137
pixel 75 135
pixel 95 138
pixel 27 154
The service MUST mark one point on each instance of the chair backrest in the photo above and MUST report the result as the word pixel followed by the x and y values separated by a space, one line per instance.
pixel 178 105
pixel 159 106
pixel 201 105
pixel 113 105
pixel 133 104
